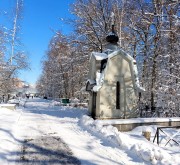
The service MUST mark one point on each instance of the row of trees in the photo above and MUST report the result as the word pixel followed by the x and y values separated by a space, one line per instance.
pixel 148 29
pixel 12 56
pixel 64 68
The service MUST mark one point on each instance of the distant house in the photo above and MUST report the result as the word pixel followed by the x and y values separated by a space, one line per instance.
pixel 112 84
pixel 24 90
pixel 18 83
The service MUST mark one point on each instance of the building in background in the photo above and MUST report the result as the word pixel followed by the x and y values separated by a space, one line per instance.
pixel 23 89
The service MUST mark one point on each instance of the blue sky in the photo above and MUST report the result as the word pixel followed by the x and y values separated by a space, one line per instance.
pixel 39 17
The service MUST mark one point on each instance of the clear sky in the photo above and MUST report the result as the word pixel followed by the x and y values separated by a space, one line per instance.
pixel 39 17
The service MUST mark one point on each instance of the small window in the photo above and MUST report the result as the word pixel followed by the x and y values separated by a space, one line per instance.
pixel 118 88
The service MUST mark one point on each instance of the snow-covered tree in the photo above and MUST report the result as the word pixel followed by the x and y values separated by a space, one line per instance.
pixel 12 56
pixel 148 30
pixel 62 68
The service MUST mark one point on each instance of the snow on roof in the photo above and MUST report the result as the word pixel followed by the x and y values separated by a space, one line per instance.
pixel 139 88
pixel 96 88
pixel 99 56
pixel 122 52
pixel 91 81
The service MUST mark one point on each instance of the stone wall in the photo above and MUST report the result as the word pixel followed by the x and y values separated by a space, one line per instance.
pixel 129 127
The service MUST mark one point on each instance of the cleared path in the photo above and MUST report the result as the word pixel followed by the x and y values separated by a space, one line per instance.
pixel 38 144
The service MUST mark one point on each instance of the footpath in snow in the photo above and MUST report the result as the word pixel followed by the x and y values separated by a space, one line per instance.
pixel 43 133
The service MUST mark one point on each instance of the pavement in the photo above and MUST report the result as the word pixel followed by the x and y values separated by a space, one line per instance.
pixel 46 150
pixel 38 144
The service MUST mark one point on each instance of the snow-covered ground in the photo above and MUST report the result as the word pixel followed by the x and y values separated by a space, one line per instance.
pixel 90 141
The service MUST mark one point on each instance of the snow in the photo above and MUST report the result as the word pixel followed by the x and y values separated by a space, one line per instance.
pixel 96 88
pixel 137 120
pixel 91 81
pixel 91 141
pixel 9 105
pixel 138 86
pixel 144 149
pixel 99 81
pixel 99 56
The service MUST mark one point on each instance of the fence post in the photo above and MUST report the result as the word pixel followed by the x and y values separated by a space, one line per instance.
pixel 158 136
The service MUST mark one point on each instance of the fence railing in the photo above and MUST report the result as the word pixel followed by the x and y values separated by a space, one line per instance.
pixel 169 137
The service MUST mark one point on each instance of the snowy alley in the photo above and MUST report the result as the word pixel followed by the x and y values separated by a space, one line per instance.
pixel 43 133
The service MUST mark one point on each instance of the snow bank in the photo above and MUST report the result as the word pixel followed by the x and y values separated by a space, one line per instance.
pixel 143 148
pixel 20 102
pixel 55 103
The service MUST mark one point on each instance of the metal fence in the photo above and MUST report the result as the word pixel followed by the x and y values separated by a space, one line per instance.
pixel 162 134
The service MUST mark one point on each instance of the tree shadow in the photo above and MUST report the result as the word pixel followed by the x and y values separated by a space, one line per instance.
pixel 38 151
pixel 44 150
